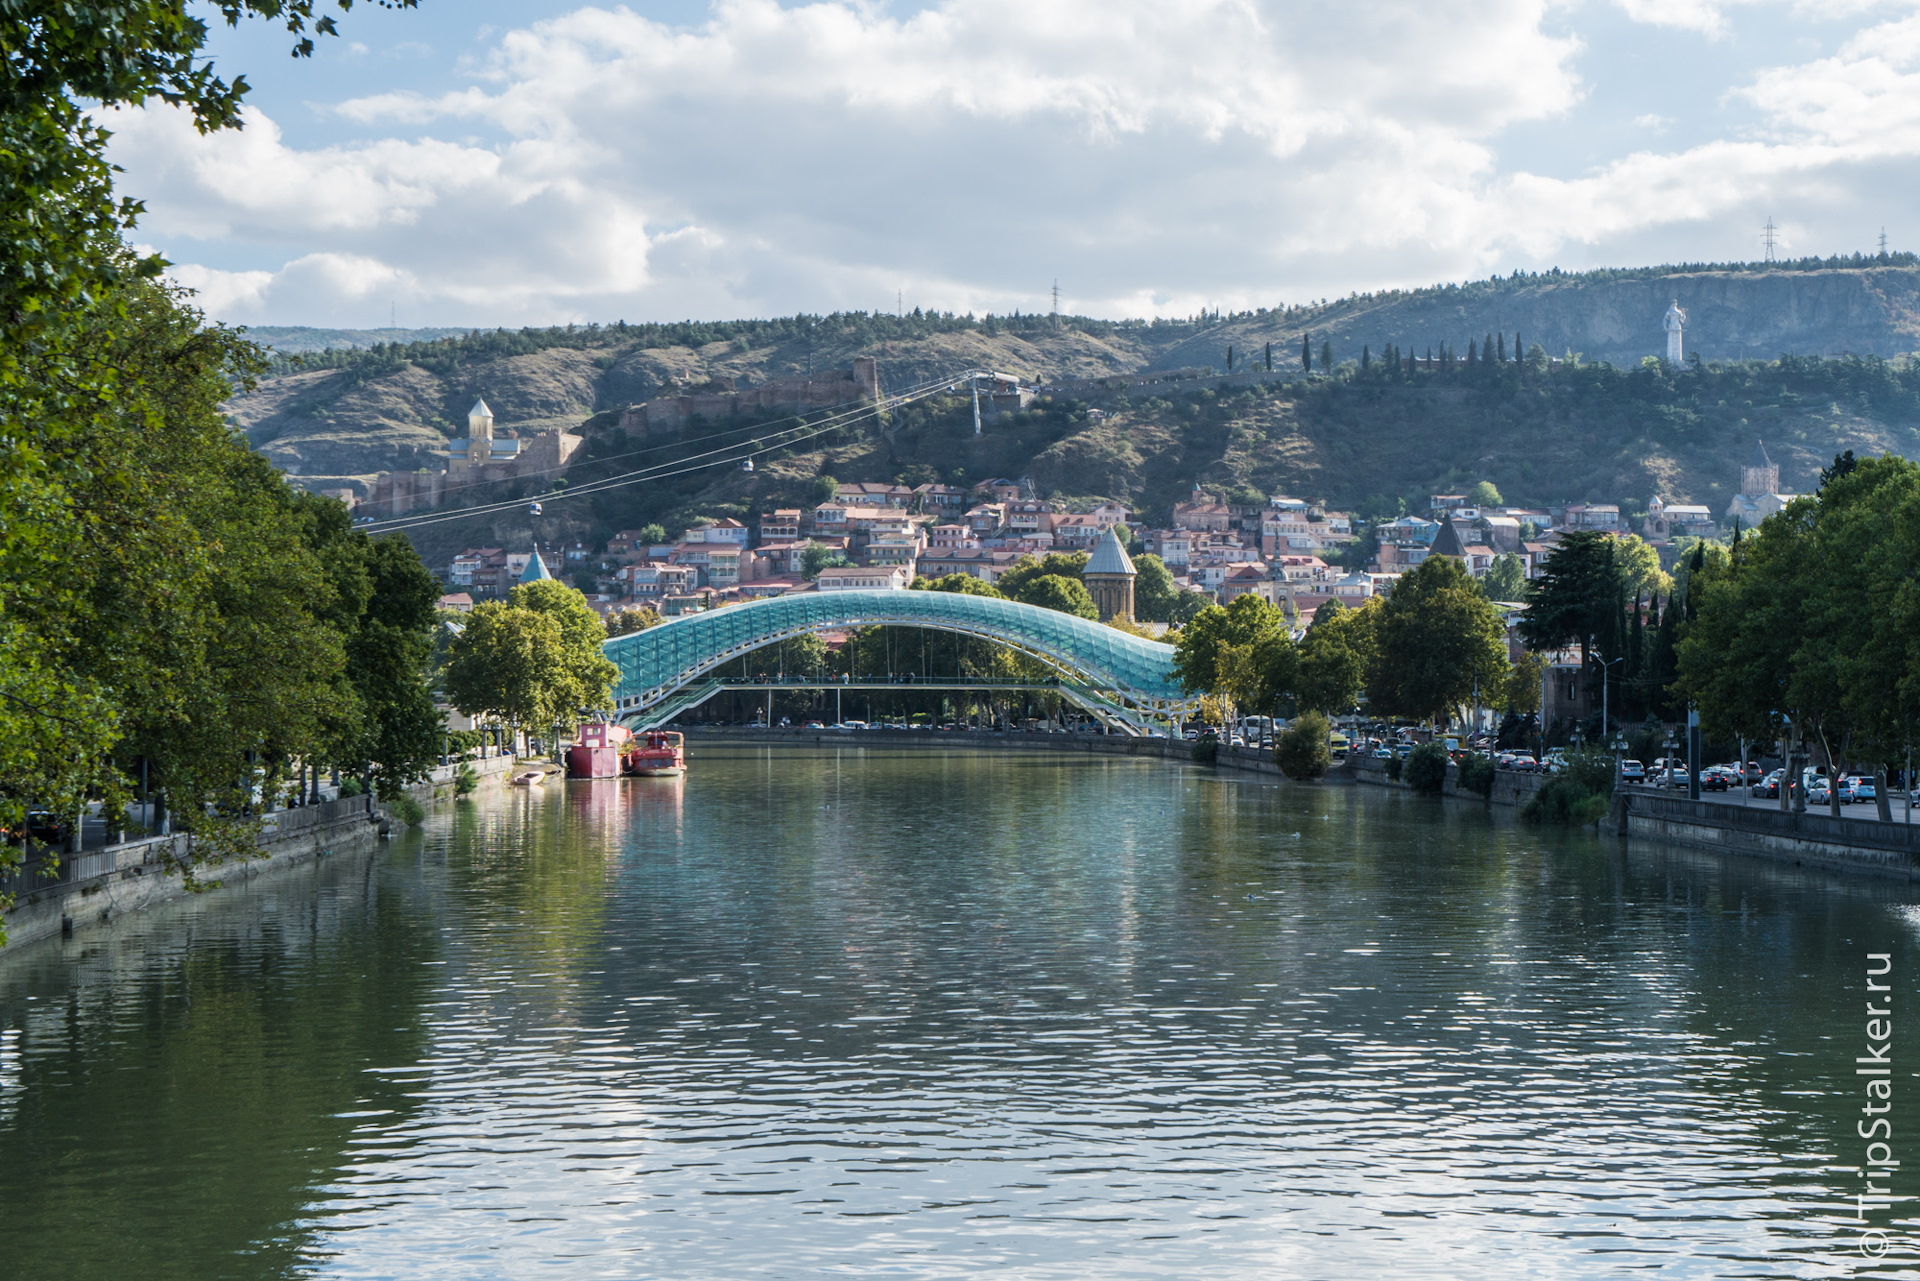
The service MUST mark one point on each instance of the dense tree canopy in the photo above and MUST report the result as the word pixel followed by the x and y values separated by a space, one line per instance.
pixel 1812 626
pixel 1438 644
pixel 168 606
pixel 1335 656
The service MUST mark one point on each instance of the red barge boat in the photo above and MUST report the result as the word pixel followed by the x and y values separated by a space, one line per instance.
pixel 613 751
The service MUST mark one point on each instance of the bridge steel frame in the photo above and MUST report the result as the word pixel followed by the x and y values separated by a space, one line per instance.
pixel 1129 674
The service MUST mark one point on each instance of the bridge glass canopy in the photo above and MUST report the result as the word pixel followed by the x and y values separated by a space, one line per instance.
pixel 656 662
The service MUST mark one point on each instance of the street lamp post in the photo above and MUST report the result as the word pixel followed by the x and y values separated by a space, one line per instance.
pixel 1605 728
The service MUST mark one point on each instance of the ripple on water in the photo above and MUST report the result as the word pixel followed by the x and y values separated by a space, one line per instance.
pixel 954 1015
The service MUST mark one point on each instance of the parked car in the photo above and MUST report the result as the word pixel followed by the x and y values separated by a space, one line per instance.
pixel 45 826
pixel 1856 787
pixel 1819 793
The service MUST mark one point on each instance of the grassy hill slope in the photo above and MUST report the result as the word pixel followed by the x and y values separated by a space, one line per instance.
pixel 1541 435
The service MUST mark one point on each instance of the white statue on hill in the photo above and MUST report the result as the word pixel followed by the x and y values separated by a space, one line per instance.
pixel 1675 319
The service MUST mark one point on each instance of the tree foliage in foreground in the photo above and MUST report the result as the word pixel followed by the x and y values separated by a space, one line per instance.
pixel 171 610
pixel 1812 626
pixel 163 594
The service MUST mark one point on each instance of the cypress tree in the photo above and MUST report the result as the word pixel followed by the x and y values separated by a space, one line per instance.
pixel 1637 655
pixel 1366 358
pixel 1694 566
pixel 1306 352
pixel 1503 348
pixel 1663 660
pixel 1473 354
pixel 1326 357
pixel 1269 357
pixel 1229 359
pixel 1486 349
pixel 1519 352
pixel 1429 359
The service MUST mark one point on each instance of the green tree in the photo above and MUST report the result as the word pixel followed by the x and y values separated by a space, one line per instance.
pixel 1425 770
pixel 1638 566
pixel 1521 693
pixel 1153 589
pixel 1058 592
pixel 388 615
pixel 1335 656
pixel 1188 605
pixel 1438 643
pixel 132 625
pixel 1326 357
pixel 652 533
pixel 1506 579
pixel 1779 638
pixel 1572 600
pixel 584 681
pixel 962 584
pixel 1302 750
pixel 815 557
pixel 1015 583
pixel 1484 494
pixel 628 621
pixel 1222 643
pixel 1306 352
pixel 510 664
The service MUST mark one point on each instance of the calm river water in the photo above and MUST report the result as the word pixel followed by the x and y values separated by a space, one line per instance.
pixel 954 1014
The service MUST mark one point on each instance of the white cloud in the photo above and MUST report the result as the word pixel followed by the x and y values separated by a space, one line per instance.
pixel 1156 155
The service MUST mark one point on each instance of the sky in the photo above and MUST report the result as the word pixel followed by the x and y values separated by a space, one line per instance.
pixel 477 162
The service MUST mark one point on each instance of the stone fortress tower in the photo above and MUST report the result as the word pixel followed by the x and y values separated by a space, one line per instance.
pixel 1109 577
pixel 1674 321
pixel 1759 495
pixel 1761 475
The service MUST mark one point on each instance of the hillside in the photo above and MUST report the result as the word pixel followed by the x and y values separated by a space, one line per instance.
pixel 1366 441
pixel 1575 431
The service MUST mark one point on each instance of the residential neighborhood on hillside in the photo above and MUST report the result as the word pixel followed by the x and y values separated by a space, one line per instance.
pixel 1287 550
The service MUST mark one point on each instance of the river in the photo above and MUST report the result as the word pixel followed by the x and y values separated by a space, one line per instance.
pixel 952 1014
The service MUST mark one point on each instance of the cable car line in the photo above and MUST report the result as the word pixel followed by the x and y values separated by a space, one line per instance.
pixel 744 450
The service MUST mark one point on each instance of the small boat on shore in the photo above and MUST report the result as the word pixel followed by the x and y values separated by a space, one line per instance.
pixel 658 753
pixel 529 778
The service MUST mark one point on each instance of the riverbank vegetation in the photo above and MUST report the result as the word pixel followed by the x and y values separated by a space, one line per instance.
pixel 175 620
pixel 1810 629
pixel 1433 646
pixel 1302 750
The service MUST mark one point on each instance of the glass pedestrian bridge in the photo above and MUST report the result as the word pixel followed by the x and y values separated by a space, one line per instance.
pixel 1121 677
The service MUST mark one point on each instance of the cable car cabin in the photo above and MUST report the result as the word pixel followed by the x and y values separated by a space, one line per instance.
pixel 533 509
pixel 746 464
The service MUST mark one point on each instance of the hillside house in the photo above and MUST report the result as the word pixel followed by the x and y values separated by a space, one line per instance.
pixel 781 525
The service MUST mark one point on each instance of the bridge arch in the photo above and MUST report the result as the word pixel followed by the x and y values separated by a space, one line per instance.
pixel 659 662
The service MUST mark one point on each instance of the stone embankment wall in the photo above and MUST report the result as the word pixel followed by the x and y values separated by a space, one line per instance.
pixel 132 875
pixel 1817 840
pixel 1258 762
pixel 1509 786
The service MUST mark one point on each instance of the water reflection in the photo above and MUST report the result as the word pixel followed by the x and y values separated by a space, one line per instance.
pixel 952 1014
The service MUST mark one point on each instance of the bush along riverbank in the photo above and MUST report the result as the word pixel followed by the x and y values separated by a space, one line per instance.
pixel 1577 796
pixel 1302 751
